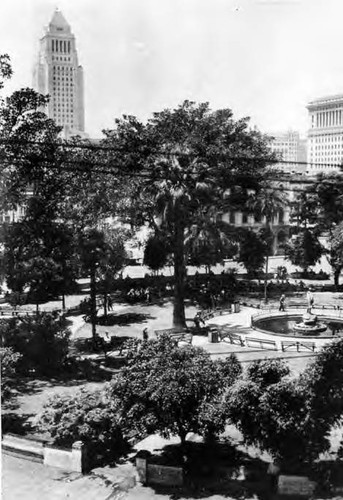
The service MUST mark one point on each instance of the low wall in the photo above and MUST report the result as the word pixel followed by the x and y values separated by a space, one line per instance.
pixel 71 460
pixel 158 474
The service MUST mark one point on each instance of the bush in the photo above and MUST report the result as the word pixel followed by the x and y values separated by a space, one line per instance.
pixel 88 416
pixel 9 360
pixel 42 340
pixel 172 390
pixel 290 418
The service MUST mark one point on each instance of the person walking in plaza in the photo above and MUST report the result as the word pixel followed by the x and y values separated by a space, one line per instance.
pixel 282 302
pixel 310 299
pixel 145 334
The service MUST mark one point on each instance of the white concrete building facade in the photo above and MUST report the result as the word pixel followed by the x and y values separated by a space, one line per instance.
pixel 325 136
pixel 289 147
pixel 57 72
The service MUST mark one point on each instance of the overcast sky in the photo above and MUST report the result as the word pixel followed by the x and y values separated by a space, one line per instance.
pixel 263 58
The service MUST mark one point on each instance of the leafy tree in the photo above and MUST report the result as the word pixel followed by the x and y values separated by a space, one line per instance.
pixel 320 209
pixel 267 202
pixel 9 360
pixel 92 248
pixel 31 165
pixel 42 341
pixel 5 69
pixel 88 416
pixel 336 252
pixel 170 390
pixel 270 411
pixel 112 262
pixel 39 259
pixel 323 379
pixel 209 242
pixel 180 166
pixel 304 249
pixel 102 255
pixel 252 251
pixel 156 252
pixel 290 418
pixel 91 192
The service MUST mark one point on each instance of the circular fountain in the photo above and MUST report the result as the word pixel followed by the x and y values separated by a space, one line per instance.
pixel 296 324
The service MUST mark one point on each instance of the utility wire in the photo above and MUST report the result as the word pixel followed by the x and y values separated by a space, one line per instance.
pixel 120 173
pixel 93 147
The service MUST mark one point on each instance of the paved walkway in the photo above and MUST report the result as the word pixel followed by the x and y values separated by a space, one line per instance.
pixel 22 479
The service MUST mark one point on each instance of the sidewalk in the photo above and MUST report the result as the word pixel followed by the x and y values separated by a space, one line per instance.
pixel 32 481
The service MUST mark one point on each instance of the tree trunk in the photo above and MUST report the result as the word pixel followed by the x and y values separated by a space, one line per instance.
pixel 266 281
pixel 93 301
pixel 179 319
pixel 63 302
pixel 105 305
pixel 336 273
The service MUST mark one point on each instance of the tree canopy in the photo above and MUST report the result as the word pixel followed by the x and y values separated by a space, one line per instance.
pixel 173 390
pixel 185 167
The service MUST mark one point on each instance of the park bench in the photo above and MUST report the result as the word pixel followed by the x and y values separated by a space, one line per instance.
pixel 176 334
pixel 306 345
pixel 222 312
pixel 15 312
pixel 234 338
pixel 285 344
pixel 289 344
pixel 299 305
pixel 261 343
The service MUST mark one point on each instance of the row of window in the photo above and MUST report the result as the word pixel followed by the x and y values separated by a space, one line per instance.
pixel 62 68
pixel 63 46
pixel 328 138
pixel 257 218
pixel 54 58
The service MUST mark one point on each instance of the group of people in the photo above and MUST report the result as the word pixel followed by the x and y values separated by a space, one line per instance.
pixel 309 298
pixel 140 294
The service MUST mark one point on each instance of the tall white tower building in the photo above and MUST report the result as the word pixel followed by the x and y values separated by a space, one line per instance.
pixel 325 136
pixel 58 73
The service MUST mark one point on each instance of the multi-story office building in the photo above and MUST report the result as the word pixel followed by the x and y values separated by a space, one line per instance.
pixel 325 136
pixel 288 146
pixel 58 73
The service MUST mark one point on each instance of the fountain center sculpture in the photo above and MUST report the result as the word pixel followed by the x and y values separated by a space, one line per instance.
pixel 310 325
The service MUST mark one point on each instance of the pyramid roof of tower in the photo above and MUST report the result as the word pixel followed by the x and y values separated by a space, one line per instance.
pixel 58 21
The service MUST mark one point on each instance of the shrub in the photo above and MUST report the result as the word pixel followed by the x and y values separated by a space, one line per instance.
pixel 42 340
pixel 88 416
pixel 173 390
pixel 9 360
pixel 289 418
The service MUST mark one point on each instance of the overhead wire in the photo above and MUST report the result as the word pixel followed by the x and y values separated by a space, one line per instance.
pixel 96 147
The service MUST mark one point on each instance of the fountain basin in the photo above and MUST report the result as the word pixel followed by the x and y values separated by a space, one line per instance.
pixel 286 325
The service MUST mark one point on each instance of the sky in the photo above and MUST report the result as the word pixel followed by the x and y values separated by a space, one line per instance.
pixel 265 59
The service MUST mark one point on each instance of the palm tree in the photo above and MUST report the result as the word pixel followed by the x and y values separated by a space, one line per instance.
pixel 267 202
pixel 179 202
pixel 180 164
